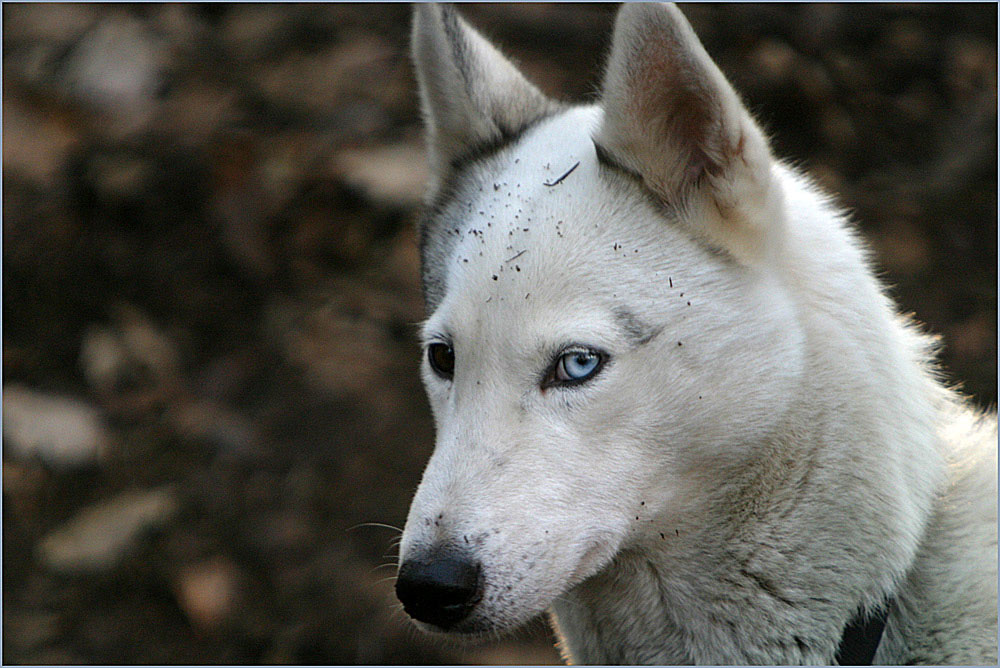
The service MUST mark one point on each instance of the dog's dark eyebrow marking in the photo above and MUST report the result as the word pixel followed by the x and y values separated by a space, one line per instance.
pixel 636 331
pixel 560 179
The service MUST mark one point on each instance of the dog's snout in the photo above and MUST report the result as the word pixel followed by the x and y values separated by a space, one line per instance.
pixel 440 589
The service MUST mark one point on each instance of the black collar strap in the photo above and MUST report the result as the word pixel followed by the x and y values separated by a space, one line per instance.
pixel 861 638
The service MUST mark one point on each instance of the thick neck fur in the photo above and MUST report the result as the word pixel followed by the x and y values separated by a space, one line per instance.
pixel 823 521
pixel 683 596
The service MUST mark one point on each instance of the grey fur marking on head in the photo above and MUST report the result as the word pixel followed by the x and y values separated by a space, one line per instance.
pixel 636 331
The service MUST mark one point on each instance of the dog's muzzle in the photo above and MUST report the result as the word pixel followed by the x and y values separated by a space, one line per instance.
pixel 440 588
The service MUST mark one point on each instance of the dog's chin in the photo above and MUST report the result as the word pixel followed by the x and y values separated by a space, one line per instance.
pixel 491 621
pixel 494 623
pixel 471 630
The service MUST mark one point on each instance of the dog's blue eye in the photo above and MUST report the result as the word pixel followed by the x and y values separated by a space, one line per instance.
pixel 577 366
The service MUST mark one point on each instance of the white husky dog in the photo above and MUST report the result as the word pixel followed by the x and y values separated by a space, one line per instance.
pixel 673 405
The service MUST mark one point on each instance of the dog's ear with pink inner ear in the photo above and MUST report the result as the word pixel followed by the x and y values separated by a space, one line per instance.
pixel 672 118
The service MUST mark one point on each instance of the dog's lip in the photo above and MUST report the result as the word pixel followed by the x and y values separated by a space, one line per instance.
pixel 472 627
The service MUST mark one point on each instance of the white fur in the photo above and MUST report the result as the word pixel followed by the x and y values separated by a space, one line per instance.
pixel 776 456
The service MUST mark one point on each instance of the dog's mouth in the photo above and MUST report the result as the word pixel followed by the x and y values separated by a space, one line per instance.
pixel 445 596
pixel 470 629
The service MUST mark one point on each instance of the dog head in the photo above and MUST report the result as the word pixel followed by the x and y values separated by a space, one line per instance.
pixel 585 271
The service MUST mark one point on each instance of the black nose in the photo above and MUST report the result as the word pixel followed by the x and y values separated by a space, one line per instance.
pixel 440 589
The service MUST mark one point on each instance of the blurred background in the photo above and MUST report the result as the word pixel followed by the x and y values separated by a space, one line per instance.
pixel 210 285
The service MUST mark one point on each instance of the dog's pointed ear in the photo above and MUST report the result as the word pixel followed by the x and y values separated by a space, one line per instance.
pixel 672 118
pixel 470 93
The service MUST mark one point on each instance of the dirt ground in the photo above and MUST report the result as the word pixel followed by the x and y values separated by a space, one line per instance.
pixel 210 282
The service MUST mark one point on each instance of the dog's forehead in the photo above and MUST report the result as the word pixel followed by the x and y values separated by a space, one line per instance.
pixel 516 210
pixel 545 152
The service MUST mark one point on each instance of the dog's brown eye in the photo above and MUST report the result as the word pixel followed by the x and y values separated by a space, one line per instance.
pixel 442 359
